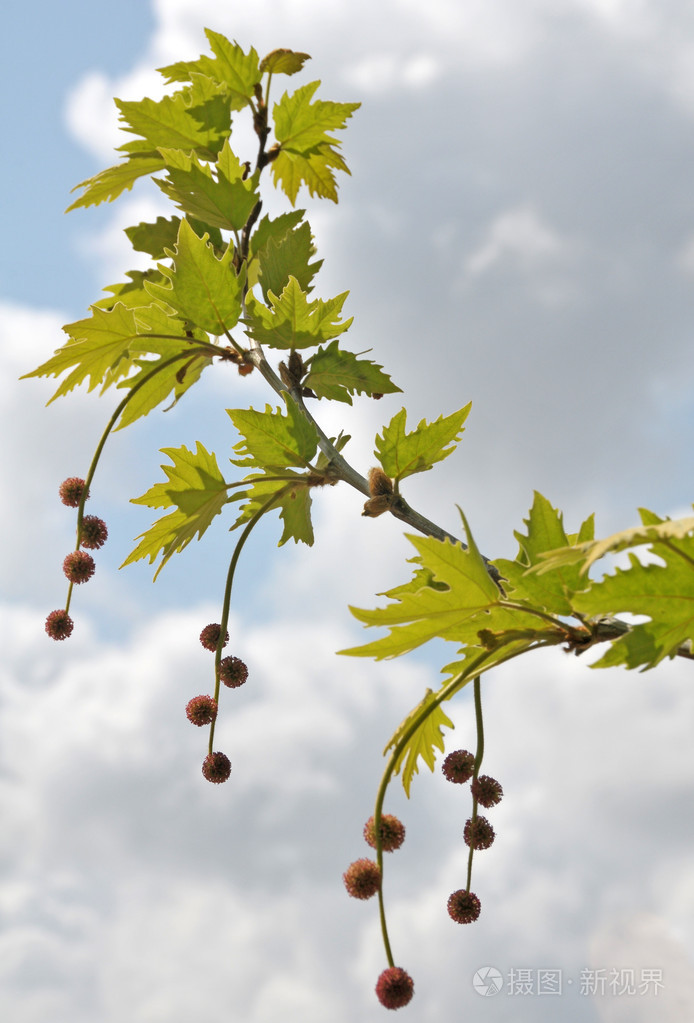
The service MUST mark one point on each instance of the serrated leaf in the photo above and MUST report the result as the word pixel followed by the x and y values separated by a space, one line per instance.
pixel 293 501
pixel 552 591
pixel 401 454
pixel 308 152
pixel 337 375
pixel 223 202
pixel 198 492
pixel 586 553
pixel 274 229
pixel 153 238
pixel 453 597
pixel 130 293
pixel 301 125
pixel 314 169
pixel 98 345
pixel 173 380
pixel 285 257
pixel 272 440
pixel 179 121
pixel 427 737
pixel 230 66
pixel 450 606
pixel 293 321
pixel 664 593
pixel 202 288
pixel 108 184
pixel 283 62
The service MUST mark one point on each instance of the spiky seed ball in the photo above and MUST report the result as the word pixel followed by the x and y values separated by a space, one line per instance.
pixel 216 767
pixel 458 766
pixel 71 490
pixel 233 672
pixel 362 879
pixel 486 791
pixel 394 988
pixel 79 567
pixel 94 532
pixel 201 710
pixel 59 624
pixel 478 833
pixel 392 832
pixel 463 906
pixel 209 637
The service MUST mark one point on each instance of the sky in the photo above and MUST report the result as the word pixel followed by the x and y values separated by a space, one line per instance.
pixel 518 231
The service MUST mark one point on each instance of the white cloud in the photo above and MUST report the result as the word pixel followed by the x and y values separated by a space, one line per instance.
pixel 385 72
pixel 521 237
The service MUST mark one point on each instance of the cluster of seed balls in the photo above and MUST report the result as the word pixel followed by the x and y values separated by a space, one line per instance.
pixel 362 880
pixel 202 710
pixel 78 566
pixel 458 767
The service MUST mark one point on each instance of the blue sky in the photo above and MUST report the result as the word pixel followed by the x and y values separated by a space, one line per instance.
pixel 518 231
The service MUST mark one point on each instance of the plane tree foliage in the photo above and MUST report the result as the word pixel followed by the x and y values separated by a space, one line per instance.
pixel 228 283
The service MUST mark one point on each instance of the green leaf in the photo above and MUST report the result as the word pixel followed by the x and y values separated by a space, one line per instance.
pixel 315 170
pixel 301 125
pixel 198 492
pixel 586 553
pixel 202 288
pixel 307 146
pixel 552 591
pixel 154 238
pixel 224 202
pixel 293 321
pixel 664 593
pixel 176 122
pixel 401 454
pixel 272 440
pixel 274 229
pixel 453 597
pixel 427 737
pixel 283 62
pixel 337 375
pixel 130 293
pixel 108 184
pixel 288 256
pixel 455 604
pixel 230 66
pixel 177 378
pixel 99 343
pixel 293 501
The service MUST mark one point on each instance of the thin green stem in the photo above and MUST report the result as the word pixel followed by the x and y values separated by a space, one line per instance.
pixel 446 691
pixel 104 437
pixel 252 522
pixel 479 753
pixel 265 479
pixel 534 611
